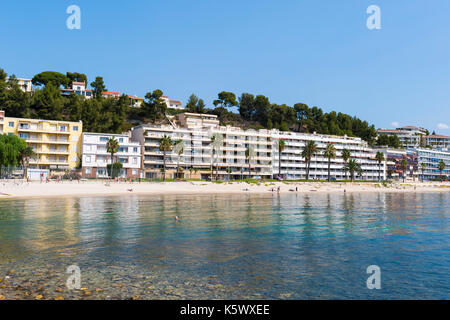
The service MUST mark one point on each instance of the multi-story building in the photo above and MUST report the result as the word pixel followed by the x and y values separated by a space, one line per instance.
pixel 437 141
pixel 135 101
pixel 409 136
pixel 24 84
pixel 174 104
pixel 293 165
pixel 79 88
pixel 95 156
pixel 394 159
pixel 57 143
pixel 111 94
pixel 196 131
pixel 231 158
pixel 431 159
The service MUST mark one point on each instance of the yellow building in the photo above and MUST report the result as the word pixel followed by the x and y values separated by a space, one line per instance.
pixel 56 143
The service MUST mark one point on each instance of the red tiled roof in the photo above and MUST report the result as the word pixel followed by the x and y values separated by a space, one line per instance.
pixel 82 83
pixel 175 101
pixel 135 97
pixel 388 130
pixel 437 136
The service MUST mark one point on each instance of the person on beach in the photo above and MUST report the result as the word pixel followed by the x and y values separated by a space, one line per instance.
pixel 279 189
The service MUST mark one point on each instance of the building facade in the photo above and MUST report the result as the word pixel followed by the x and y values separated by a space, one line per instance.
pixel 431 159
pixel 436 141
pixel 293 165
pixel 174 104
pixel 409 136
pixel 56 143
pixel 24 84
pixel 394 168
pixel 239 147
pixel 95 156
pixel 196 130
pixel 78 88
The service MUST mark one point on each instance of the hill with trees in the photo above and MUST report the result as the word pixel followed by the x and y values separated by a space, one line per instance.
pixel 111 115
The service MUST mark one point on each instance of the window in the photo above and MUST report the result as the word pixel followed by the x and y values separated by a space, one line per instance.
pixel 134 160
pixel 11 124
pixel 88 170
pixel 135 149
pixel 134 172
pixel 120 139
pixel 104 139
pixel 88 159
pixel 75 128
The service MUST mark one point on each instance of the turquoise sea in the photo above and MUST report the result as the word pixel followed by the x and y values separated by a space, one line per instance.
pixel 223 246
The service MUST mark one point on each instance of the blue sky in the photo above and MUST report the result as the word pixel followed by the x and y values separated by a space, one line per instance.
pixel 317 52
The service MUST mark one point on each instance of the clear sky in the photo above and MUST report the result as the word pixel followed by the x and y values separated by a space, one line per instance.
pixel 318 52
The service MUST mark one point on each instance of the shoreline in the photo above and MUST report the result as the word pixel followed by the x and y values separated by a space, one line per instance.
pixel 33 190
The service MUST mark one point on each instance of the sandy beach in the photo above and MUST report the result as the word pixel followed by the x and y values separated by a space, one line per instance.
pixel 19 189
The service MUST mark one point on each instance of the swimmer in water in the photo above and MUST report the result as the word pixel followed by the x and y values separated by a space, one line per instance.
pixel 176 218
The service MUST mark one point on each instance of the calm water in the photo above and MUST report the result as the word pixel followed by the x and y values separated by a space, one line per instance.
pixel 228 246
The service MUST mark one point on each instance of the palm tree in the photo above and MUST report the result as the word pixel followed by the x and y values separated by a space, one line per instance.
pixel 216 144
pixel 179 150
pixel 25 155
pixel 423 166
pixel 346 155
pixel 308 153
pixel 330 153
pixel 380 158
pixel 229 170
pixel 249 154
pixel 165 145
pixel 280 145
pixel 404 166
pixel 441 167
pixel 112 147
pixel 352 166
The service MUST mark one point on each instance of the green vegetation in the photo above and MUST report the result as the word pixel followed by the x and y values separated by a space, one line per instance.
pixel 13 150
pixel 441 167
pixel 111 115
pixel 353 167
pixel 330 153
pixel 380 158
pixel 115 169
pixel 165 145
pixel 308 153
pixel 390 141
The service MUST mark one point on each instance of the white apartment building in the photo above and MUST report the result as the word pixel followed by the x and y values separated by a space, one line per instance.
pixel 431 159
pixel 293 165
pixel 409 136
pixel 95 156
pixel 24 84
pixel 230 159
pixel 437 141
pixel 196 130
pixel 174 104
pixel 79 88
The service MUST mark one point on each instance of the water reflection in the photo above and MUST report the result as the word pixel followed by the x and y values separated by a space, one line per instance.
pixel 257 246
